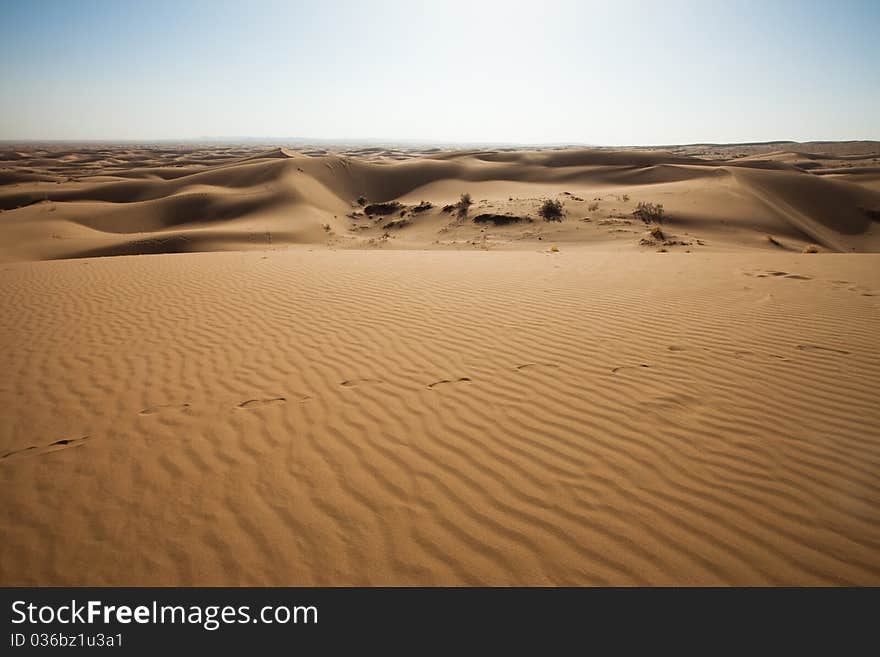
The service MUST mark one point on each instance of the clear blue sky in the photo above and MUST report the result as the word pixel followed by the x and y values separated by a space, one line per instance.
pixel 547 71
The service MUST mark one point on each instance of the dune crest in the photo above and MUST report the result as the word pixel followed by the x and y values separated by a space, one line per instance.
pixel 71 204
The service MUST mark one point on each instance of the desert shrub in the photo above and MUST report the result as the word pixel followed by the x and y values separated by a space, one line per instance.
pixel 464 204
pixel 551 210
pixel 656 232
pixel 361 200
pixel 423 206
pixel 811 248
pixel 649 212
pixel 449 208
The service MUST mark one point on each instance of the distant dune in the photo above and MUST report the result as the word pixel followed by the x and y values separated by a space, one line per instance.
pixel 115 201
pixel 367 382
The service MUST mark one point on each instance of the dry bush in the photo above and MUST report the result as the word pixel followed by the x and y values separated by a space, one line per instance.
pixel 649 212
pixel 551 210
pixel 811 248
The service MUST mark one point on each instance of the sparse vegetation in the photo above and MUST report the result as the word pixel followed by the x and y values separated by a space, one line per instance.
pixel 423 206
pixel 361 200
pixel 811 248
pixel 656 232
pixel 383 208
pixel 551 210
pixel 397 224
pixel 464 204
pixel 650 213
pixel 499 219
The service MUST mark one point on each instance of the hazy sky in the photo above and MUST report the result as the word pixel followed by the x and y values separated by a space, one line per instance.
pixel 597 72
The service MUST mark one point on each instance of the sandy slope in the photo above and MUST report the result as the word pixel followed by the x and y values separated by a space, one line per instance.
pixel 432 399
pixel 90 201
pixel 411 417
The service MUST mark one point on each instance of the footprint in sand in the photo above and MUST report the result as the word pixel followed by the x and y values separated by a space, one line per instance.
pixel 36 450
pixel 153 410
pixel 536 366
pixel 351 383
pixel 750 354
pixel 615 370
pixel 462 379
pixel 265 401
pixel 814 347
pixel 765 274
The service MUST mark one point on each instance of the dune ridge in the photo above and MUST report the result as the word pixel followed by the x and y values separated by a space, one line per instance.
pixel 72 203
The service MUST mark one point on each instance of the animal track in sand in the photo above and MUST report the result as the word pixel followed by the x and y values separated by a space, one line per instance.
pixel 531 366
pixel 462 379
pixel 814 347
pixel 36 450
pixel 351 383
pixel 615 370
pixel 153 410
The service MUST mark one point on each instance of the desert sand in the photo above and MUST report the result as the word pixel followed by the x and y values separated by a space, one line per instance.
pixel 220 367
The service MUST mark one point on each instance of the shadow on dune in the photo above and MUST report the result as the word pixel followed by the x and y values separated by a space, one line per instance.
pixel 195 242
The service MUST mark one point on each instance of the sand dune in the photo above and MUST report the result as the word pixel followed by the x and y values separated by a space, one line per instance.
pixel 74 204
pixel 438 417
pixel 284 389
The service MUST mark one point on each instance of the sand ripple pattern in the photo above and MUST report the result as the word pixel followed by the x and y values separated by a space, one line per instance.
pixel 439 418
